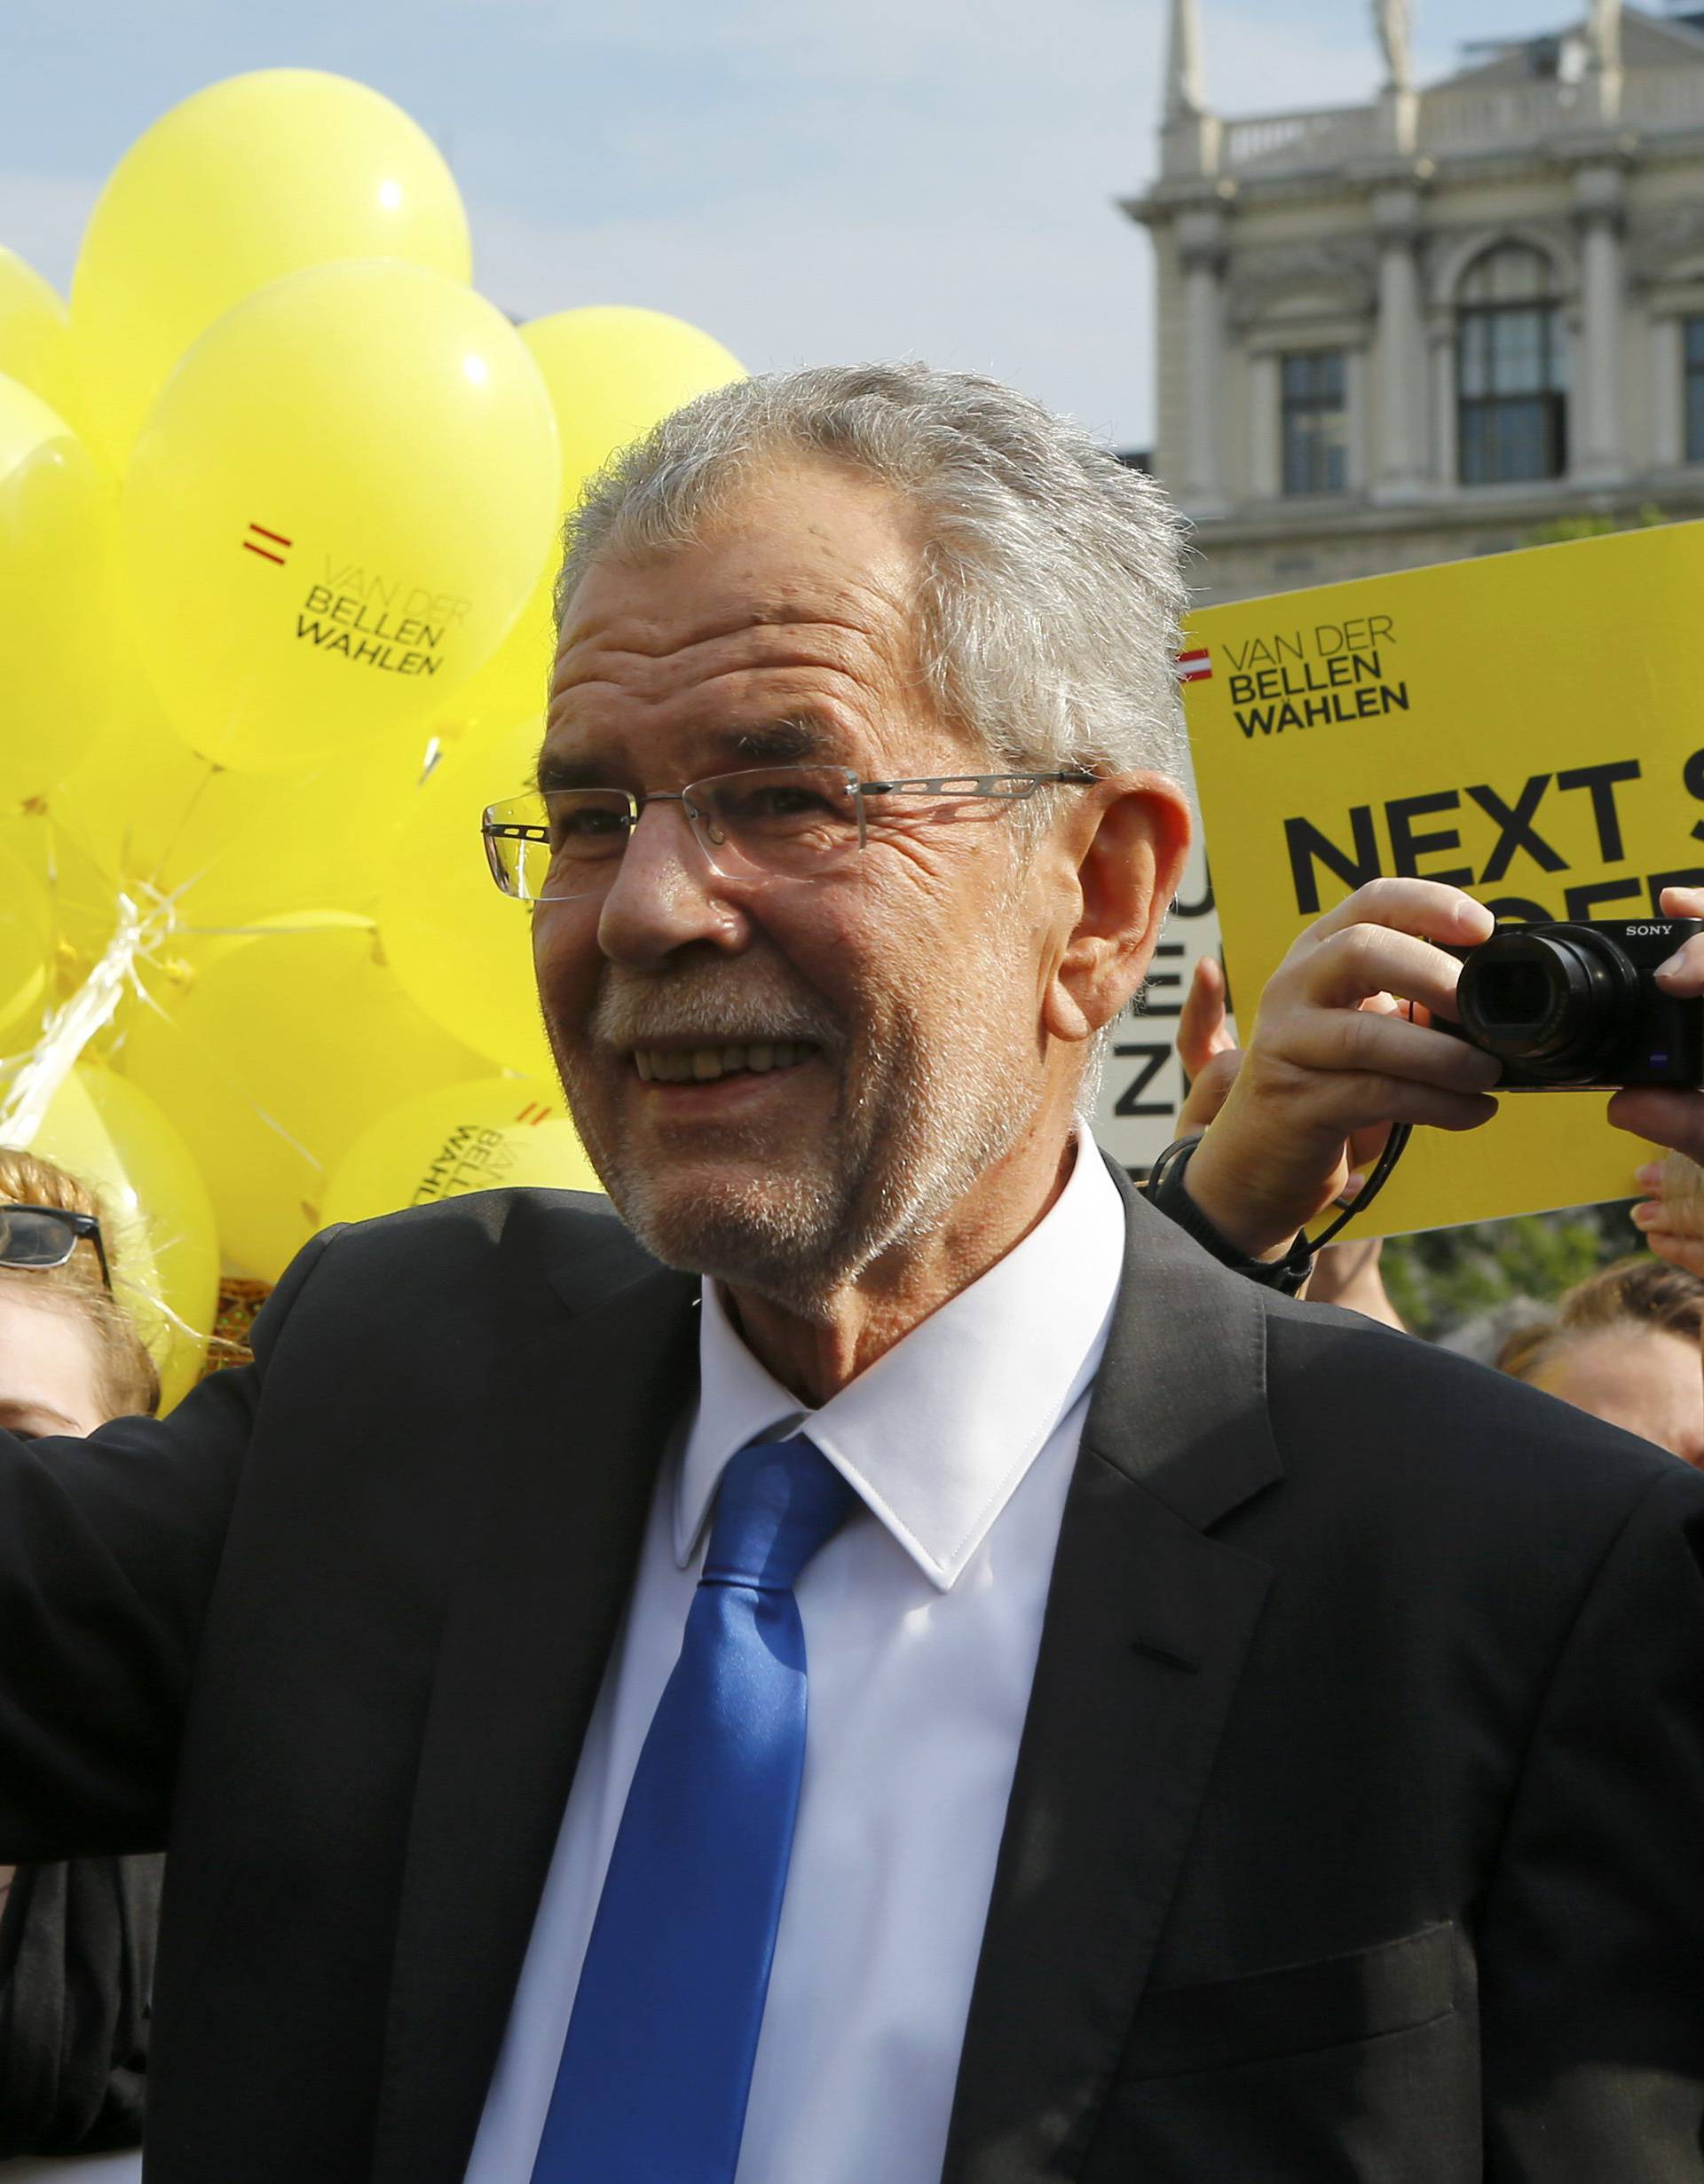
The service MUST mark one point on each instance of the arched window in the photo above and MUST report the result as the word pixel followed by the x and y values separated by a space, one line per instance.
pixel 1510 369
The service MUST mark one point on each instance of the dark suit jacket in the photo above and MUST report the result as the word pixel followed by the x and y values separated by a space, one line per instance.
pixel 1358 1830
pixel 76 1972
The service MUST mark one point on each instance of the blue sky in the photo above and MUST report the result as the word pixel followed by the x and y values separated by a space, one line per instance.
pixel 808 182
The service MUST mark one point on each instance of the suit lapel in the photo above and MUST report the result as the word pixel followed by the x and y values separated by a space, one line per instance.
pixel 580 1408
pixel 1147 1626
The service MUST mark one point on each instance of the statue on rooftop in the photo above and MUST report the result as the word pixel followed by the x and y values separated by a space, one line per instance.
pixel 1603 35
pixel 1392 19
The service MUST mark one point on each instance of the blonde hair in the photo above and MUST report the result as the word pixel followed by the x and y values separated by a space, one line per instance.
pixel 1642 1293
pixel 127 1378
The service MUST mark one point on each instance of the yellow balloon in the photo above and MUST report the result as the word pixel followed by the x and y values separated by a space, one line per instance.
pixel 36 347
pixel 272 1051
pixel 515 681
pixel 159 1231
pixel 613 373
pixel 461 948
pixel 224 849
pixel 55 611
pixel 26 952
pixel 492 1134
pixel 335 512
pixel 254 177
pixel 71 901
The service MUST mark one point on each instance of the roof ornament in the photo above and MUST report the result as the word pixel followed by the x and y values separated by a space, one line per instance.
pixel 1604 36
pixel 1603 81
pixel 1393 22
pixel 1185 92
pixel 1189 133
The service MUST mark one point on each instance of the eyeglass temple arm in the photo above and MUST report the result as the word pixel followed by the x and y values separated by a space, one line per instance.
pixel 1010 787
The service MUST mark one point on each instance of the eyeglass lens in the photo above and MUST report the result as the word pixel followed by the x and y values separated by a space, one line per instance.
pixel 32 1236
pixel 783 820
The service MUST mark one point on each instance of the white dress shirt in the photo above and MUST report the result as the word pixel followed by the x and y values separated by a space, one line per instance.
pixel 922 1620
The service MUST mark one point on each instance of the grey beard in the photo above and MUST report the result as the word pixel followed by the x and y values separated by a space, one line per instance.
pixel 913 1130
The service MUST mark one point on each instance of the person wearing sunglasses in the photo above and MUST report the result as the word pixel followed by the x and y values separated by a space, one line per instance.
pixel 77 1936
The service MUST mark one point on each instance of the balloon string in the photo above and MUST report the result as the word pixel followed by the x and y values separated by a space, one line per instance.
pixel 286 927
pixel 38 1075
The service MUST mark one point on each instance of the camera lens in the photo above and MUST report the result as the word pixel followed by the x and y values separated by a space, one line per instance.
pixel 1514 994
pixel 1554 998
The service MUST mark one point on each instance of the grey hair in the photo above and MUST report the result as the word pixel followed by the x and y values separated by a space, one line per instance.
pixel 1052 591
pixel 1048 620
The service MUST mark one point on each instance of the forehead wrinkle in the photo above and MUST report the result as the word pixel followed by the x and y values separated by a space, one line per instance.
pixel 830 708
pixel 608 659
pixel 784 607
pixel 830 679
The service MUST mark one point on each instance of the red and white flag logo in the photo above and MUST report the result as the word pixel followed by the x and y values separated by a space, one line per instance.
pixel 1195 666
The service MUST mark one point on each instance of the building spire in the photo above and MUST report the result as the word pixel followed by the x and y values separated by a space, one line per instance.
pixel 1185 93
pixel 1392 22
pixel 1602 85
pixel 1604 37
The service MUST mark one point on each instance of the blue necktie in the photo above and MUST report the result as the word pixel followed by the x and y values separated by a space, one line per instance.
pixel 657 2066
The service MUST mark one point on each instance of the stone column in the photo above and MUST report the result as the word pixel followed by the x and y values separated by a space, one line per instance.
pixel 1443 404
pixel 1402 468
pixel 1668 393
pixel 1266 454
pixel 1201 251
pixel 1597 449
pixel 1399 119
pixel 1354 391
pixel 1188 133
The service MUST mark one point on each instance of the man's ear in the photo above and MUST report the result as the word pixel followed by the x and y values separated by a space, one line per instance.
pixel 1130 845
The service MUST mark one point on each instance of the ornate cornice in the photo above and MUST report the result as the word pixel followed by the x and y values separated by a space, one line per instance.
pixel 1346 269
pixel 1657 242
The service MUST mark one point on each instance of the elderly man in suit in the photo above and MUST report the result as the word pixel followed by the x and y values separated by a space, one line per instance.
pixel 881 1660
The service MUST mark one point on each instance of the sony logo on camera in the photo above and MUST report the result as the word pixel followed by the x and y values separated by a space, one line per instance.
pixel 1576 1008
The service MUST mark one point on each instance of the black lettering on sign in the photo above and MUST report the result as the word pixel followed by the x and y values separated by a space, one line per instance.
pixel 1600 781
pixel 1690 876
pixel 1518 830
pixel 1407 847
pixel 1518 909
pixel 1130 1101
pixel 1197 909
pixel 1172 950
pixel 1584 903
pixel 1309 847
pixel 1692 774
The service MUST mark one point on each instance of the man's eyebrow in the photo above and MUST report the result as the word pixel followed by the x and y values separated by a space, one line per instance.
pixel 556 770
pixel 795 739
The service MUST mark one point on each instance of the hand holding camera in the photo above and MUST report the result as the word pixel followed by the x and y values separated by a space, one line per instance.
pixel 1344 1044
pixel 1669 1114
pixel 1357 1029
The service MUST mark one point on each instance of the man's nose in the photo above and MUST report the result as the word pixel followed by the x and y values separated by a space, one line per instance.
pixel 665 895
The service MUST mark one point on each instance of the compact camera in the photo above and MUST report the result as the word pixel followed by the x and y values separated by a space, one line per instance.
pixel 1576 1008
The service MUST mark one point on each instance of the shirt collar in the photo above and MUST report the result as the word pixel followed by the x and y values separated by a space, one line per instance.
pixel 935 1435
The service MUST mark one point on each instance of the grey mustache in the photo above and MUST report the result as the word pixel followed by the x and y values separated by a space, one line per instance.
pixel 637 1016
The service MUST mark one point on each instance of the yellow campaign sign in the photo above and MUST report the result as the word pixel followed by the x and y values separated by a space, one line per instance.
pixel 1529 727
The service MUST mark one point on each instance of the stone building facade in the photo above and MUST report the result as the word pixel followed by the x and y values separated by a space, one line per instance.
pixel 1426 326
